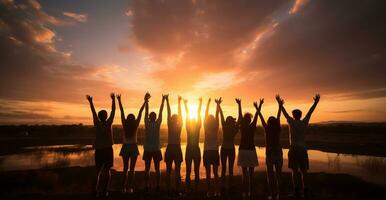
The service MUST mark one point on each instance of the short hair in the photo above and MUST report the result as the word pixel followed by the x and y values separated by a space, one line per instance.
pixel 297 114
pixel 102 115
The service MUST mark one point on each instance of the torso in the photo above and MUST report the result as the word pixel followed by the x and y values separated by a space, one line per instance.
pixel 152 136
pixel 297 130
pixel 104 135
pixel 247 141
pixel 229 133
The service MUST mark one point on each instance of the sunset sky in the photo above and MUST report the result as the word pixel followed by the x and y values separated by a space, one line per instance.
pixel 53 53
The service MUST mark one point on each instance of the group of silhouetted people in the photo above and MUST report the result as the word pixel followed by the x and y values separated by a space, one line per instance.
pixel 247 156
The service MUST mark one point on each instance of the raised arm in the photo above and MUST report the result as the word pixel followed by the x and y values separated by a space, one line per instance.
pixel 258 108
pixel 199 111
pixel 186 110
pixel 218 102
pixel 121 109
pixel 207 109
pixel 112 114
pixel 139 116
pixel 238 101
pixel 179 107
pixel 161 109
pixel 280 101
pixel 261 115
pixel 316 101
pixel 147 107
pixel 278 114
pixel 94 114
pixel 221 113
pixel 168 106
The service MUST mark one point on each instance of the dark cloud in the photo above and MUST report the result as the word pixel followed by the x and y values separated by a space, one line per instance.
pixel 32 69
pixel 329 46
pixel 332 47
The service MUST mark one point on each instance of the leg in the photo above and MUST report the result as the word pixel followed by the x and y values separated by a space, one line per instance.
pixel 168 174
pixel 215 173
pixel 197 162
pixel 303 185
pixel 147 171
pixel 107 171
pixel 188 163
pixel 245 180
pixel 177 166
pixel 231 160
pixel 98 177
pixel 270 180
pixel 133 161
pixel 157 172
pixel 278 168
pixel 295 177
pixel 251 172
pixel 223 157
pixel 207 170
pixel 125 169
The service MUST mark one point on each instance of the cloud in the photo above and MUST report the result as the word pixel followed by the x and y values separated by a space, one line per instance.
pixel 33 69
pixel 77 17
pixel 296 48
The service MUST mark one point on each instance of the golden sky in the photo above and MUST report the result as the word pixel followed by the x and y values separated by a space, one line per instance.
pixel 55 52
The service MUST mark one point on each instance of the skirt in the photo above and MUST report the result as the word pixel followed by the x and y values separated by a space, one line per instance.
pixel 129 150
pixel 247 158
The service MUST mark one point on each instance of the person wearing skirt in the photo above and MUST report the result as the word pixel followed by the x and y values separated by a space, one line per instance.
pixel 129 151
pixel 247 158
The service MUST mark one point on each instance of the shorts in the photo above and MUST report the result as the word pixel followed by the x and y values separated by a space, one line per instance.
pixel 274 158
pixel 129 150
pixel 247 158
pixel 298 158
pixel 227 153
pixel 155 155
pixel 211 157
pixel 104 157
pixel 192 153
pixel 173 153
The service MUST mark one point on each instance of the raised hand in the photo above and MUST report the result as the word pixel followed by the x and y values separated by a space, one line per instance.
pixel 255 105
pixel 179 98
pixel 261 101
pixel 119 97
pixel 279 100
pixel 209 100
pixel 317 98
pixel 218 101
pixel 238 100
pixel 147 96
pixel 165 96
pixel 89 98
pixel 112 95
pixel 200 99
pixel 186 101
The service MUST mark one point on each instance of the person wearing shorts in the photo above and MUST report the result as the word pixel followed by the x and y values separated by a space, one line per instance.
pixel 192 152
pixel 247 158
pixel 273 153
pixel 173 151
pixel 297 154
pixel 129 150
pixel 211 157
pixel 104 155
pixel 152 149
pixel 229 129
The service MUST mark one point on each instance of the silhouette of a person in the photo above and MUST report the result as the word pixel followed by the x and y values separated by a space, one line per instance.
pixel 273 151
pixel 247 158
pixel 211 156
pixel 229 129
pixel 193 153
pixel 129 150
pixel 152 149
pixel 297 154
pixel 173 151
pixel 103 144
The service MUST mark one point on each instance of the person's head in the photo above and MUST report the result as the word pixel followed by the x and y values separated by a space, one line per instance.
pixel 130 118
pixel 174 119
pixel 297 114
pixel 247 118
pixel 152 116
pixel 102 115
pixel 273 124
pixel 210 121
pixel 230 121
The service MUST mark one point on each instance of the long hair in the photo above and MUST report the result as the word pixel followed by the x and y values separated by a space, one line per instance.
pixel 273 125
pixel 131 126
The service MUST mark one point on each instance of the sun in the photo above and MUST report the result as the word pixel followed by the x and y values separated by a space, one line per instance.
pixel 193 111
